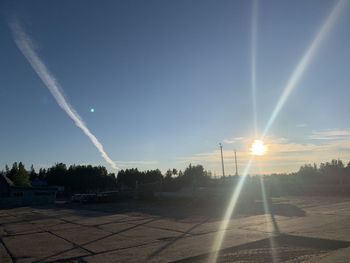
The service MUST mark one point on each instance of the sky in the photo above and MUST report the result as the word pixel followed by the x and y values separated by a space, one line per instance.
pixel 159 84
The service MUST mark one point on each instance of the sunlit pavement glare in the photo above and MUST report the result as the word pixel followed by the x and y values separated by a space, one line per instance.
pixel 258 147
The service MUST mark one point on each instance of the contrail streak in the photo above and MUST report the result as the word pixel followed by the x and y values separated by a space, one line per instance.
pixel 24 43
pixel 305 61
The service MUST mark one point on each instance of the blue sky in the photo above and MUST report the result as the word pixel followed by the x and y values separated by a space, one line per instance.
pixel 169 80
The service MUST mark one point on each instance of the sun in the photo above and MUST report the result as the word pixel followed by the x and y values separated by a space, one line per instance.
pixel 258 148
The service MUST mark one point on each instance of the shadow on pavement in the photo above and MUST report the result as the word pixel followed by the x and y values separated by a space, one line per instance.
pixel 288 247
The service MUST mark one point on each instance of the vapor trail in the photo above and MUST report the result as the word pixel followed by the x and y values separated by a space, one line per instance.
pixel 24 43
pixel 305 61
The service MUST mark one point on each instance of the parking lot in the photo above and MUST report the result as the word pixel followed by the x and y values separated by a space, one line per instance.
pixel 309 229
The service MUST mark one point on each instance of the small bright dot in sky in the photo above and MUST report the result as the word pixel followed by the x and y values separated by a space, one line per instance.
pixel 92 110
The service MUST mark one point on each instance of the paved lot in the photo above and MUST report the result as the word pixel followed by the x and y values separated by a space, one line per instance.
pixel 309 230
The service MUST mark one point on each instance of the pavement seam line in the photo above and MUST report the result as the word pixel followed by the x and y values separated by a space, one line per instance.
pixel 72 243
pixel 7 250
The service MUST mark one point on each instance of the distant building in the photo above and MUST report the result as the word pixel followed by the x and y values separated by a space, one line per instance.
pixel 11 195
pixel 38 182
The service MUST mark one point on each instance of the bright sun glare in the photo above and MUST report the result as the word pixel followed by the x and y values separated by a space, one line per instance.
pixel 258 148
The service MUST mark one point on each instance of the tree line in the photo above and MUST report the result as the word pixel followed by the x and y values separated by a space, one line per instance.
pixel 75 178
pixel 172 179
pixel 87 178
pixel 334 168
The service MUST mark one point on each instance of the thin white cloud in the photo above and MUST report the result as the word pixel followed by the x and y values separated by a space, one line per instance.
pixel 338 134
pixel 24 43
pixel 136 163
pixel 302 125
pixel 283 154
pixel 233 140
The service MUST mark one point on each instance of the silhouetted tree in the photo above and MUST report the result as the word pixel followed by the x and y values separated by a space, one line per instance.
pixel 42 174
pixel 32 174
pixel 168 174
pixel 174 172
pixel 56 175
pixel 14 170
pixel 194 175
pixel 333 168
pixel 348 169
pixel 129 177
pixel 19 175
pixel 7 170
pixel 308 170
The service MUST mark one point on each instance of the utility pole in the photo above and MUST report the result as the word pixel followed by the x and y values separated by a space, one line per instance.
pixel 236 164
pixel 222 161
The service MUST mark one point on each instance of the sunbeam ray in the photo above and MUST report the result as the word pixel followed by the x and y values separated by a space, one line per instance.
pixel 254 32
pixel 290 86
pixel 229 210
pixel 270 221
pixel 304 62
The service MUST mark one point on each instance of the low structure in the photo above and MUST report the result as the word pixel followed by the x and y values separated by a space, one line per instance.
pixel 11 195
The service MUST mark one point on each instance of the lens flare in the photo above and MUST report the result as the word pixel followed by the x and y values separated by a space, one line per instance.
pixel 258 148
pixel 290 86
pixel 305 61
pixel 229 210
pixel 270 219
pixel 253 61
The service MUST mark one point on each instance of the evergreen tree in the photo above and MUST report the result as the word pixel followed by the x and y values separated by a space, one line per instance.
pixel 13 172
pixel 7 170
pixel 42 174
pixel 32 175
pixel 168 174
pixel 21 178
pixel 174 171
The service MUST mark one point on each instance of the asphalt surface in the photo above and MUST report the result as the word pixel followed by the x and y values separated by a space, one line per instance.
pixel 300 229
